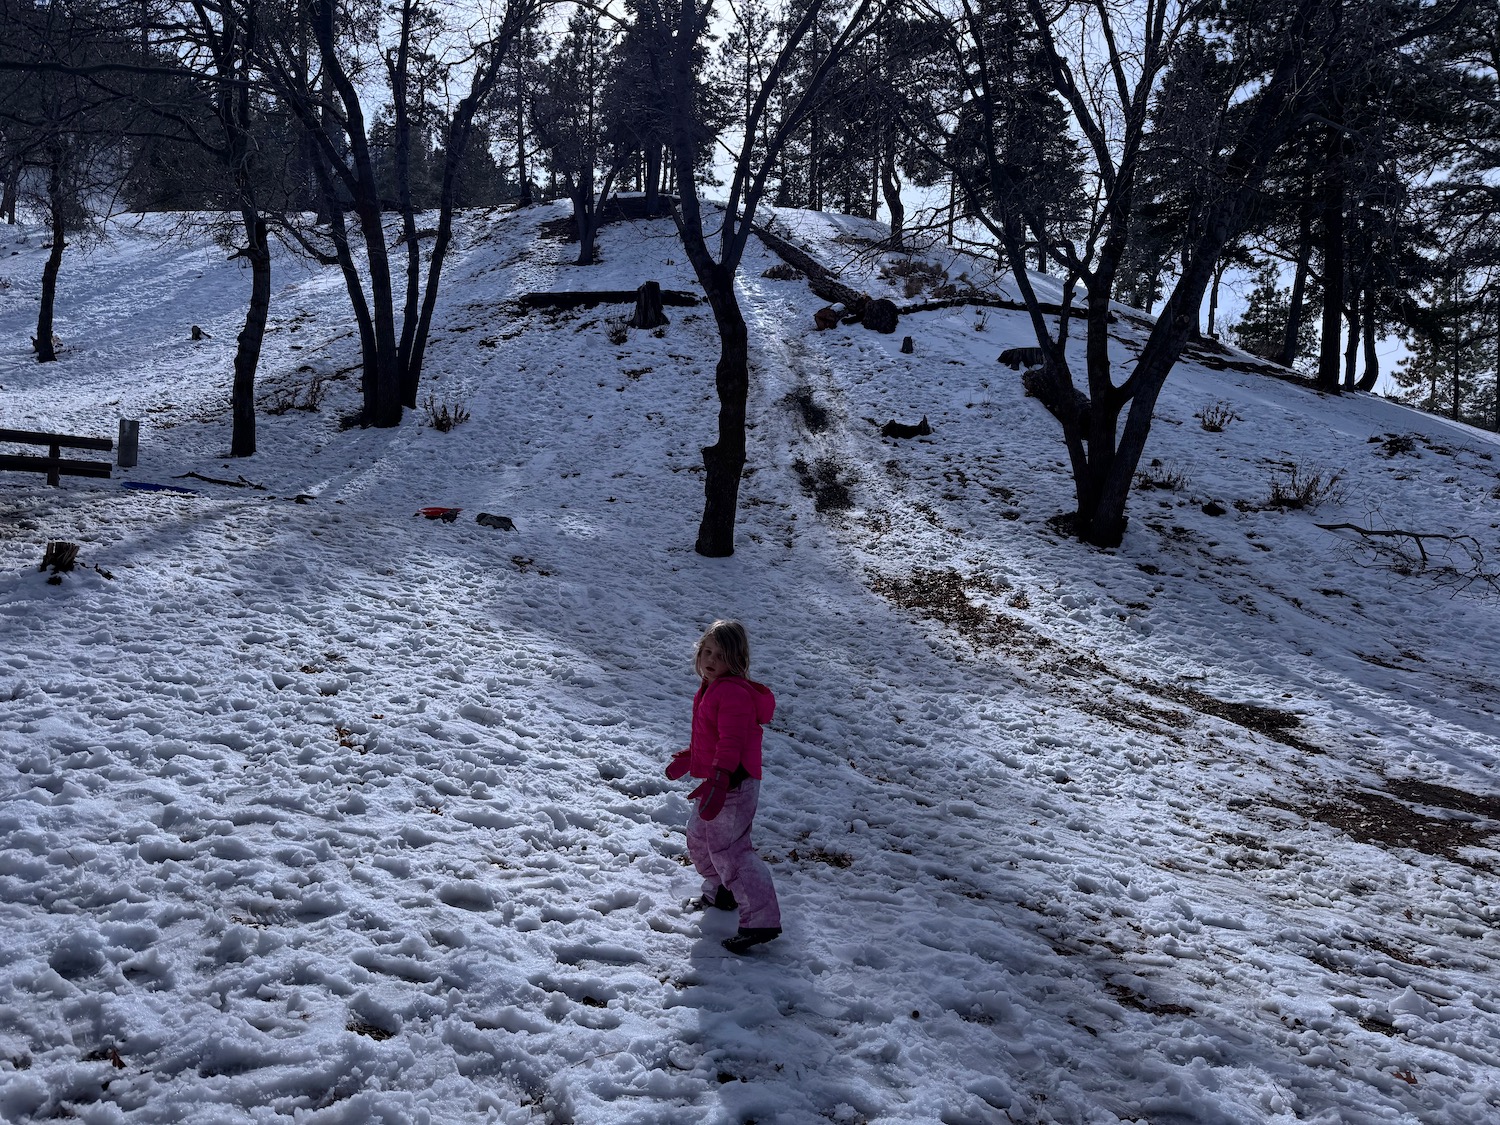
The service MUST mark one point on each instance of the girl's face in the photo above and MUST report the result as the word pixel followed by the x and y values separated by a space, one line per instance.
pixel 711 662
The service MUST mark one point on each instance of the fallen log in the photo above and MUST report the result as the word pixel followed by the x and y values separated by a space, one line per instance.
pixel 820 279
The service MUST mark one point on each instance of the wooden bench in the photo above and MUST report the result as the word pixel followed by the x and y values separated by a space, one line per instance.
pixel 54 464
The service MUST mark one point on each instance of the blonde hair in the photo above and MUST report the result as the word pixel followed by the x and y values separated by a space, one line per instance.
pixel 733 643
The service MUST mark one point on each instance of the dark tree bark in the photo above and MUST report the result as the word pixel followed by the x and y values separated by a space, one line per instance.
pixel 45 352
pixel 230 41
pixel 11 189
pixel 648 311
pixel 724 461
pixel 518 16
pixel 1333 273
pixel 1351 347
pixel 1333 193
pixel 391 361
pixel 1103 453
pixel 586 214
pixel 676 73
pixel 523 169
pixel 1371 374
pixel 890 188
pixel 399 71
pixel 653 180
pixel 252 336
pixel 1299 285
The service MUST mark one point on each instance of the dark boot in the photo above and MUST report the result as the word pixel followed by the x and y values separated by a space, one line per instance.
pixel 747 938
pixel 722 899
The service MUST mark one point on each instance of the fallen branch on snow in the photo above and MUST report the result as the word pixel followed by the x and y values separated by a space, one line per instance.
pixel 1459 561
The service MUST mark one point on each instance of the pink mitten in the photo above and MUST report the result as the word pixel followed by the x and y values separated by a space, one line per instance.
pixel 713 791
pixel 678 765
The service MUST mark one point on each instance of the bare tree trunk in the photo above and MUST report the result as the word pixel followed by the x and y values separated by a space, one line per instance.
pixel 460 133
pixel 724 461
pixel 523 170
pixel 1496 414
pixel 251 337
pixel 585 217
pixel 1333 199
pixel 653 178
pixel 1333 282
pixel 12 189
pixel 353 284
pixel 1457 364
pixel 1496 385
pixel 45 352
pixel 1213 302
pixel 1371 374
pixel 400 93
pixel 1299 287
pixel 890 187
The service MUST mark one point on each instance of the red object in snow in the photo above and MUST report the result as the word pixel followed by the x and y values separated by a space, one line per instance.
pixel 447 515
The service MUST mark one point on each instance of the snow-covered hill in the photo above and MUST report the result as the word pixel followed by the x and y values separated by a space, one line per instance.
pixel 313 810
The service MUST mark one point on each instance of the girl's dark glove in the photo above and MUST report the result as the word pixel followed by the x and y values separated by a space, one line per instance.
pixel 713 791
pixel 678 765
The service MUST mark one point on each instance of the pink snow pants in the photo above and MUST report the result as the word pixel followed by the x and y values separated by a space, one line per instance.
pixel 721 851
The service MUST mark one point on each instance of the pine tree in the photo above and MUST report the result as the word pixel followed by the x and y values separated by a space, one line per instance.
pixel 1261 329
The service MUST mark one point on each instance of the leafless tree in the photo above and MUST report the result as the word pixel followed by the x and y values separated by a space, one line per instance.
pixel 681 30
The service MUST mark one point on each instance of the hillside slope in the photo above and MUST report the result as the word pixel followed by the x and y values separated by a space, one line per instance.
pixel 317 811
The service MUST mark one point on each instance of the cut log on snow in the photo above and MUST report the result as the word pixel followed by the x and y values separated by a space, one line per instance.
pixel 648 312
pixel 587 300
pixel 897 429
pixel 1017 358
pixel 820 279
pixel 825 318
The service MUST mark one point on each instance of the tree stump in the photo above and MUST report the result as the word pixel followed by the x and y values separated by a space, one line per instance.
pixel 648 312
pixel 907 348
pixel 879 315
pixel 826 317
pixel 61 556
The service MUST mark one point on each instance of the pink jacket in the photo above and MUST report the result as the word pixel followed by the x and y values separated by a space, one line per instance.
pixel 727 716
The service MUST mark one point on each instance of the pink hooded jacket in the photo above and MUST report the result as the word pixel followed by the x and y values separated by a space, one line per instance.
pixel 727 716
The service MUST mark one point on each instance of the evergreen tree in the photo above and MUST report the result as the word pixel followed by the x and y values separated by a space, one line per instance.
pixel 1454 344
pixel 572 124
pixel 1261 329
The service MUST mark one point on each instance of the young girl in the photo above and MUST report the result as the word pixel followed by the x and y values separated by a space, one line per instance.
pixel 724 753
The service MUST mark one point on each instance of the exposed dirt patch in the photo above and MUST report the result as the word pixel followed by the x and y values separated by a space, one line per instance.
pixel 1132 999
pixel 814 416
pixel 1486 805
pixel 1267 721
pixel 942 595
pixel 826 482
pixel 360 1027
pixel 819 855
pixel 1382 820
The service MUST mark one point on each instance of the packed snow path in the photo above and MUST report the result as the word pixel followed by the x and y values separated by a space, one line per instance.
pixel 312 810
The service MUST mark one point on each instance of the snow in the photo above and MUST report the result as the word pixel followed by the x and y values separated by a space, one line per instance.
pixel 317 811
